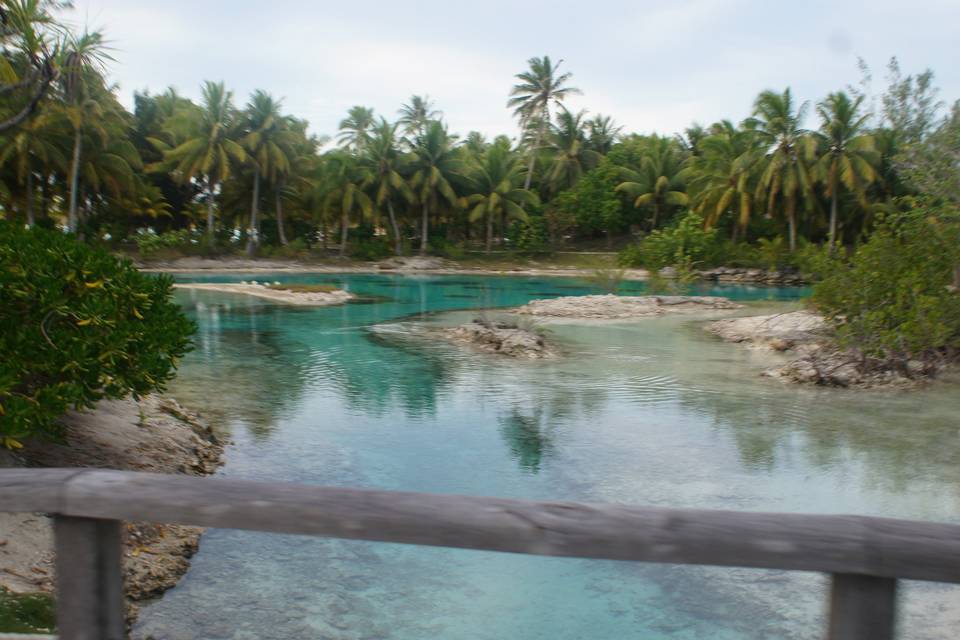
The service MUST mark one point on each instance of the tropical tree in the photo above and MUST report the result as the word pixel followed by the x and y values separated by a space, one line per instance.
pixel 34 148
pixel 493 178
pixel 658 181
pixel 415 115
pixel 267 144
pixel 603 133
pixel 29 65
pixel 720 180
pixel 540 87
pixel 341 191
pixel 847 157
pixel 209 151
pixel 84 56
pixel 434 165
pixel 384 164
pixel 784 173
pixel 571 153
pixel 355 127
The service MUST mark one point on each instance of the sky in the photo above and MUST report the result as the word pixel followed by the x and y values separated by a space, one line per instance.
pixel 654 66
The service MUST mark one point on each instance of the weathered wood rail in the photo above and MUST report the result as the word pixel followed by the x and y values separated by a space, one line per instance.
pixel 866 556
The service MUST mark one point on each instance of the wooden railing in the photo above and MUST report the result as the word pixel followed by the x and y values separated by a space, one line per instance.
pixel 866 556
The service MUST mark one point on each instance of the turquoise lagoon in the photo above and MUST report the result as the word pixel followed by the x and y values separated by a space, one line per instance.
pixel 653 412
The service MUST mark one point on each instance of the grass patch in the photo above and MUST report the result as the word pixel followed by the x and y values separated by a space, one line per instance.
pixel 304 288
pixel 33 613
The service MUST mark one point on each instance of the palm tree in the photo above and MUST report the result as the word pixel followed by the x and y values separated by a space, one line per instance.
pixel 571 155
pixel 848 157
pixel 658 181
pixel 539 88
pixel 209 150
pixel 354 128
pixel 493 177
pixel 267 147
pixel 35 148
pixel 383 162
pixel 343 191
pixel 415 115
pixel 784 174
pixel 603 134
pixel 719 178
pixel 434 163
pixel 84 57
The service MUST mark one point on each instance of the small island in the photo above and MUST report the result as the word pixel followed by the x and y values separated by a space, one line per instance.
pixel 309 295
pixel 613 307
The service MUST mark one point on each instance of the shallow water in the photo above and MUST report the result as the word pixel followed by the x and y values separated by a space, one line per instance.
pixel 654 412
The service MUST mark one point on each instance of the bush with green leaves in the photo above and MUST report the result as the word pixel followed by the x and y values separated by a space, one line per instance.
pixel 150 243
pixel 530 235
pixel 78 324
pixel 684 242
pixel 895 299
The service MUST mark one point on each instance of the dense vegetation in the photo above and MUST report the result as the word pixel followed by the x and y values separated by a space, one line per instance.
pixel 77 325
pixel 864 195
pixel 216 176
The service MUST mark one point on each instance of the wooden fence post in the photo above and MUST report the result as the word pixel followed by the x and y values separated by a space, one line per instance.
pixel 90 603
pixel 862 607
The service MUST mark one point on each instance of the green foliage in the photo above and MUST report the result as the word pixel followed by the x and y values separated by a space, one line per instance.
pixel 594 203
pixel 364 245
pixel 446 249
pixel 32 613
pixel 893 299
pixel 684 243
pixel 531 235
pixel 149 243
pixel 77 325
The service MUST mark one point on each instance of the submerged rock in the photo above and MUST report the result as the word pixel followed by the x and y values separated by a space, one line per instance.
pixel 501 338
pixel 612 307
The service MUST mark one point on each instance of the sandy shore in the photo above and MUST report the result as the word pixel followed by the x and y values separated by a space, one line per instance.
pixel 302 298
pixel 156 435
pixel 227 266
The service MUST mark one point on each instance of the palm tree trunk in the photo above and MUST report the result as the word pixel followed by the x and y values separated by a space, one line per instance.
pixel 30 219
pixel 74 182
pixel 489 231
pixel 210 217
pixel 44 196
pixel 397 244
pixel 424 229
pixel 736 231
pixel 656 215
pixel 792 221
pixel 344 229
pixel 833 218
pixel 536 148
pixel 281 232
pixel 253 232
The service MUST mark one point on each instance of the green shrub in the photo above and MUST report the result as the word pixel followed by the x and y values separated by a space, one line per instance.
pixel 686 241
pixel 151 243
pixel 77 324
pixel 630 256
pixel 530 236
pixel 894 298
pixel 446 249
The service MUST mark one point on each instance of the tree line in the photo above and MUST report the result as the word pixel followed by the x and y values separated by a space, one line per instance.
pixel 253 175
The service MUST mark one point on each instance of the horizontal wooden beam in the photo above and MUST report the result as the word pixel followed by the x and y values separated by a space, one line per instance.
pixel 881 547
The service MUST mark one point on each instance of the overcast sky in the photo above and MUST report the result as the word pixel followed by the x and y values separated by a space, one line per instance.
pixel 652 65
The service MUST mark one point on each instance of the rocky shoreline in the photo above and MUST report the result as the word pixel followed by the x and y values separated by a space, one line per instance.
pixel 772 277
pixel 155 434
pixel 501 338
pixel 815 357
pixel 613 307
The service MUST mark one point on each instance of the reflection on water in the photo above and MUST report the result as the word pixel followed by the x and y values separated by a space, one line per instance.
pixel 654 412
